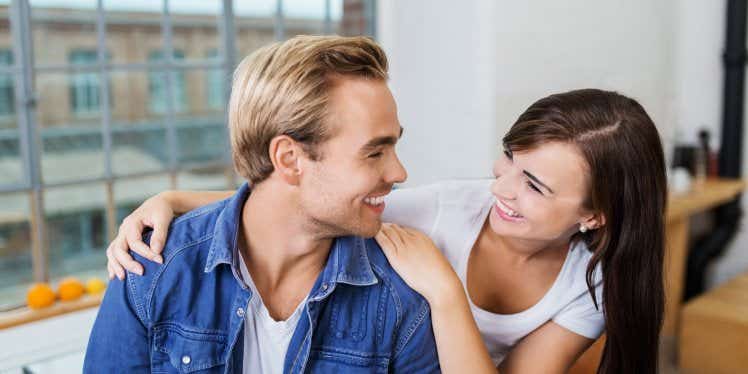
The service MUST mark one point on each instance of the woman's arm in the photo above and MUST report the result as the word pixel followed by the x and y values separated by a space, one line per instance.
pixel 417 260
pixel 157 213
pixel 183 201
pixel 551 349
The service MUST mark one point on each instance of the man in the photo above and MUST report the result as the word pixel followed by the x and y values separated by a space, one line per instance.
pixel 279 278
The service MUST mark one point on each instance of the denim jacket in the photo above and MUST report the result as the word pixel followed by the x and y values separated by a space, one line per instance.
pixel 187 315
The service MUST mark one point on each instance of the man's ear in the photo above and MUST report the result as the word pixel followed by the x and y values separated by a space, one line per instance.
pixel 285 154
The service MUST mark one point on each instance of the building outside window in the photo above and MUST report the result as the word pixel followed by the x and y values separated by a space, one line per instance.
pixel 157 85
pixel 85 90
pixel 7 97
pixel 99 139
pixel 215 84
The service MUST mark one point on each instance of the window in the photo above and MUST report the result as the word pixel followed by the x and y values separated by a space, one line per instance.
pixel 84 87
pixel 7 97
pixel 157 89
pixel 216 83
pixel 100 160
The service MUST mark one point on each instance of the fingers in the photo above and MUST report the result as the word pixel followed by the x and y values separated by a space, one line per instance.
pixel 113 266
pixel 397 234
pixel 133 236
pixel 158 237
pixel 392 235
pixel 123 258
pixel 384 241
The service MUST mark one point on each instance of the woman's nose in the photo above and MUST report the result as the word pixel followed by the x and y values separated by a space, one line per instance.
pixel 504 187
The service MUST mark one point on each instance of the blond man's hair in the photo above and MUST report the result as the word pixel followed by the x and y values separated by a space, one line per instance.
pixel 284 89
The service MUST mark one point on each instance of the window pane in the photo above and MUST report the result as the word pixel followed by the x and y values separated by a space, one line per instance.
pixel 255 9
pixel 352 17
pixel 201 131
pixel 7 97
pixel 215 81
pixel 157 85
pixel 11 166
pixel 202 139
pixel 71 142
pixel 58 26
pixel 130 193
pixel 254 22
pixel 210 178
pixel 84 87
pixel 133 28
pixel 138 135
pixel 15 249
pixel 195 26
pixel 76 230
pixel 304 17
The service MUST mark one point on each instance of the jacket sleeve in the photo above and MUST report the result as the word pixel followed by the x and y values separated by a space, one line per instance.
pixel 119 341
pixel 416 347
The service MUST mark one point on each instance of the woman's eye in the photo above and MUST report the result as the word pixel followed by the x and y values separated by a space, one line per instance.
pixel 508 154
pixel 532 186
pixel 375 155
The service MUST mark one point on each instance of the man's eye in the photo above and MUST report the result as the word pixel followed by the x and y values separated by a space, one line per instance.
pixel 375 155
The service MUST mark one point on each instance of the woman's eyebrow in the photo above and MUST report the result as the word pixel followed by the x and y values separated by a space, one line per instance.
pixel 536 180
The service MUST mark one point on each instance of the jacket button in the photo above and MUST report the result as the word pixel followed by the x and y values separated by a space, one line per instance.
pixel 324 286
pixel 240 312
pixel 186 359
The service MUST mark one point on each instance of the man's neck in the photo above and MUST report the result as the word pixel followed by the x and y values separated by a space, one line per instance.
pixel 283 256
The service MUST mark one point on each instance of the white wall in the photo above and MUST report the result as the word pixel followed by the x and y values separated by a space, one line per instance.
pixel 463 71
pixel 553 46
pixel 442 56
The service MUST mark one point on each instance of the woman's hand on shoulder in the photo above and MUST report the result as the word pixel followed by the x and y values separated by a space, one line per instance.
pixel 156 213
pixel 417 260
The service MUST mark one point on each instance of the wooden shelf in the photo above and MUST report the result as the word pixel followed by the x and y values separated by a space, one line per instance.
pixel 702 197
pixel 26 315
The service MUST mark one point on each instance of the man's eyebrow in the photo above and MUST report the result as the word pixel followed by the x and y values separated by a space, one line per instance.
pixel 381 140
pixel 536 180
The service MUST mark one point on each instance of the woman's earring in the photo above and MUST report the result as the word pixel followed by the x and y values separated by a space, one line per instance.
pixel 582 228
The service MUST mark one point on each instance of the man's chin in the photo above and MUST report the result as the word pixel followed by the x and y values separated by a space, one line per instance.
pixel 369 231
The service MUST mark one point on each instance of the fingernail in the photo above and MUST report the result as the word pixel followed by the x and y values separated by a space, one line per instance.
pixel 158 259
pixel 139 271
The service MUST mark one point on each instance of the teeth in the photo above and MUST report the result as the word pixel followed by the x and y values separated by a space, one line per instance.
pixel 374 200
pixel 506 209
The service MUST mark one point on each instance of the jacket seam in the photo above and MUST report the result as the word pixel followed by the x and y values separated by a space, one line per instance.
pixel 156 277
pixel 412 329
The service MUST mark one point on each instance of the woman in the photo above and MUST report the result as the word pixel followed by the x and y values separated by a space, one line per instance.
pixel 566 241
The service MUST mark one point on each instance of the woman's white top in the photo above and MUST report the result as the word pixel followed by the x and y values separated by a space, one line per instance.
pixel 452 214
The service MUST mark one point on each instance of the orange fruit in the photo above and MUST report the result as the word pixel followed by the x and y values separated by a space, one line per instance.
pixel 40 295
pixel 95 286
pixel 70 289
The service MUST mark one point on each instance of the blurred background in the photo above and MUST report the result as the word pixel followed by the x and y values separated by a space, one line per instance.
pixel 104 103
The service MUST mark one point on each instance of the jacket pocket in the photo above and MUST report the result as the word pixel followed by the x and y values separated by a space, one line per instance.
pixel 185 350
pixel 335 360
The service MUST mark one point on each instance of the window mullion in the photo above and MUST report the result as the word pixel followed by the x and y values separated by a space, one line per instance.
pixel 29 138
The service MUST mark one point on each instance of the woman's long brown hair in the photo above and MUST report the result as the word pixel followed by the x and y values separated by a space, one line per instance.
pixel 627 185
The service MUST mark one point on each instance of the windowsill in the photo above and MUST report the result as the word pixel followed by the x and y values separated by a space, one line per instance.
pixel 26 315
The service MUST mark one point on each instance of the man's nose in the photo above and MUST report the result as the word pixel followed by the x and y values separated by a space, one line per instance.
pixel 396 172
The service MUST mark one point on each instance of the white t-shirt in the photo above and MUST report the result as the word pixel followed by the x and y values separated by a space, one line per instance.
pixel 452 214
pixel 265 339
